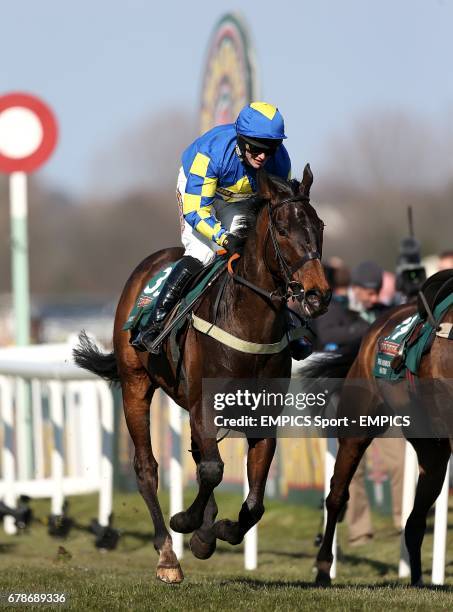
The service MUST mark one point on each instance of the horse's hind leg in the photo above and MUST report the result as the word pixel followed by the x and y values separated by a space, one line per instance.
pixel 349 454
pixel 259 459
pixel 433 457
pixel 203 541
pixel 137 396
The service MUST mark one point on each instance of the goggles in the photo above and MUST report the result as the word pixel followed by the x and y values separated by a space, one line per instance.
pixel 267 146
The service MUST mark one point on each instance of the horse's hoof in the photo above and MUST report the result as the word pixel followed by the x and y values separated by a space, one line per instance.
pixel 201 549
pixel 323 579
pixel 170 575
pixel 228 531
pixel 183 522
pixel 418 583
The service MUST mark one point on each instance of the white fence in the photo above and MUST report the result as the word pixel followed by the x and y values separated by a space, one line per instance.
pixel 57 426
pixel 76 432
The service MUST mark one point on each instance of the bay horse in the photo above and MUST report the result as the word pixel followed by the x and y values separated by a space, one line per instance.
pixel 433 453
pixel 281 260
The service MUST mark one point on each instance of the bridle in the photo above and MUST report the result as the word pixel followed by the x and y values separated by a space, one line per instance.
pixel 292 289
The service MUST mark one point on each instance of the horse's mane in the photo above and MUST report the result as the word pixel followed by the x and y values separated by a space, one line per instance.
pixel 289 188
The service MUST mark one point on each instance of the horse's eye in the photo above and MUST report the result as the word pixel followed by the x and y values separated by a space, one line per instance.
pixel 282 231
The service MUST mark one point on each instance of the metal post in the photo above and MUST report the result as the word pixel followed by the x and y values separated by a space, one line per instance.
pixel 440 533
pixel 21 308
pixel 57 470
pixel 106 473
pixel 19 256
pixel 409 484
pixel 329 465
pixel 89 423
pixel 8 460
pixel 176 486
pixel 251 537
pixel 24 429
pixel 38 441
pixel 72 429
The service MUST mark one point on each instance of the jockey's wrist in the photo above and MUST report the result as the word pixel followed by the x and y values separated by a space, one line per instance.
pixel 222 239
pixel 233 244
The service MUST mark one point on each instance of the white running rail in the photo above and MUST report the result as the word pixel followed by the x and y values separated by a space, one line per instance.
pixel 72 429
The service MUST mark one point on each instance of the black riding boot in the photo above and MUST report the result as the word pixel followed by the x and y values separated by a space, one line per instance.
pixel 171 292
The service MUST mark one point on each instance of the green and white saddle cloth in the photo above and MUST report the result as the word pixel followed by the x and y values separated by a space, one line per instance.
pixel 409 341
pixel 144 305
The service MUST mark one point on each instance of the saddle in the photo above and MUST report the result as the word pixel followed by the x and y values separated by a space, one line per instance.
pixel 400 353
pixel 435 289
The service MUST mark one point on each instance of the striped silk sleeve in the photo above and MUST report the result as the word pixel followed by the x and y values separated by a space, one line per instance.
pixel 198 199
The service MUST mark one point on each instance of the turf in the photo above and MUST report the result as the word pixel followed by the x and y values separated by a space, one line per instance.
pixel 124 579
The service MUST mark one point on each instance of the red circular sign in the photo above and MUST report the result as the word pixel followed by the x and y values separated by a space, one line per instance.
pixel 48 132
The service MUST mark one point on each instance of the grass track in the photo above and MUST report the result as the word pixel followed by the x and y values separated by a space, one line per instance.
pixel 124 579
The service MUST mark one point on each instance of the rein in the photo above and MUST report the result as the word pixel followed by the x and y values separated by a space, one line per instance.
pixel 293 288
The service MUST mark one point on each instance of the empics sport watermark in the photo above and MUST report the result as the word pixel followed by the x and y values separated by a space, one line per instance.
pixel 259 408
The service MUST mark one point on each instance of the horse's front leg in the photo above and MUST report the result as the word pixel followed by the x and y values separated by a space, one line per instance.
pixel 349 454
pixel 259 459
pixel 209 475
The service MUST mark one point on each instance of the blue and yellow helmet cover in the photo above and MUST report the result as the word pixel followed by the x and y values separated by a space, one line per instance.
pixel 261 120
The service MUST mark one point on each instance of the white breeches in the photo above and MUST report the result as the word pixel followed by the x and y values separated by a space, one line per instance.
pixel 230 214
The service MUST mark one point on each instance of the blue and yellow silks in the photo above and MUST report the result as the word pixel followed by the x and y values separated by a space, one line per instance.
pixel 214 170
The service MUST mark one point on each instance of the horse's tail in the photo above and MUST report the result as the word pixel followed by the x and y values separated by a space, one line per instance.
pixel 327 365
pixel 322 366
pixel 88 356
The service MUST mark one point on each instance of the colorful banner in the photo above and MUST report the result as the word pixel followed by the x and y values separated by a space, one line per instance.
pixel 229 80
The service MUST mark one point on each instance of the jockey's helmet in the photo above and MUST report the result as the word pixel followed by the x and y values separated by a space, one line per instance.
pixel 260 121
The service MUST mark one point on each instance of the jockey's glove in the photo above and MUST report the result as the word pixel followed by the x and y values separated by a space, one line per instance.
pixel 233 244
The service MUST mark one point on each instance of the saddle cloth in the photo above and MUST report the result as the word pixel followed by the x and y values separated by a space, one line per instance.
pixel 144 305
pixel 408 342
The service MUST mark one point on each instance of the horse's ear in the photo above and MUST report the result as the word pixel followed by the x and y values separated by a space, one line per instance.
pixel 266 187
pixel 307 181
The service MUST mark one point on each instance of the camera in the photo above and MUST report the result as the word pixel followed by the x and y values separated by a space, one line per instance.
pixel 410 273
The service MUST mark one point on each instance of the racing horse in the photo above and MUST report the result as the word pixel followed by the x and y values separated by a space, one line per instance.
pixel 362 395
pixel 281 260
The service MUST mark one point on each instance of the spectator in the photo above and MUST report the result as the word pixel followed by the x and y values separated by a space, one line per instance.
pixel 445 261
pixel 387 293
pixel 366 284
pixel 340 329
pixel 367 281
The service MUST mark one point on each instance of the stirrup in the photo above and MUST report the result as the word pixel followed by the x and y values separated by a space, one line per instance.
pixel 145 338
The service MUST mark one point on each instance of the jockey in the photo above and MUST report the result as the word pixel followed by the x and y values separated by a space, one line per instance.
pixel 216 182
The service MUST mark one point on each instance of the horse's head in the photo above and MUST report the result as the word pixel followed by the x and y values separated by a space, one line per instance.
pixel 293 242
